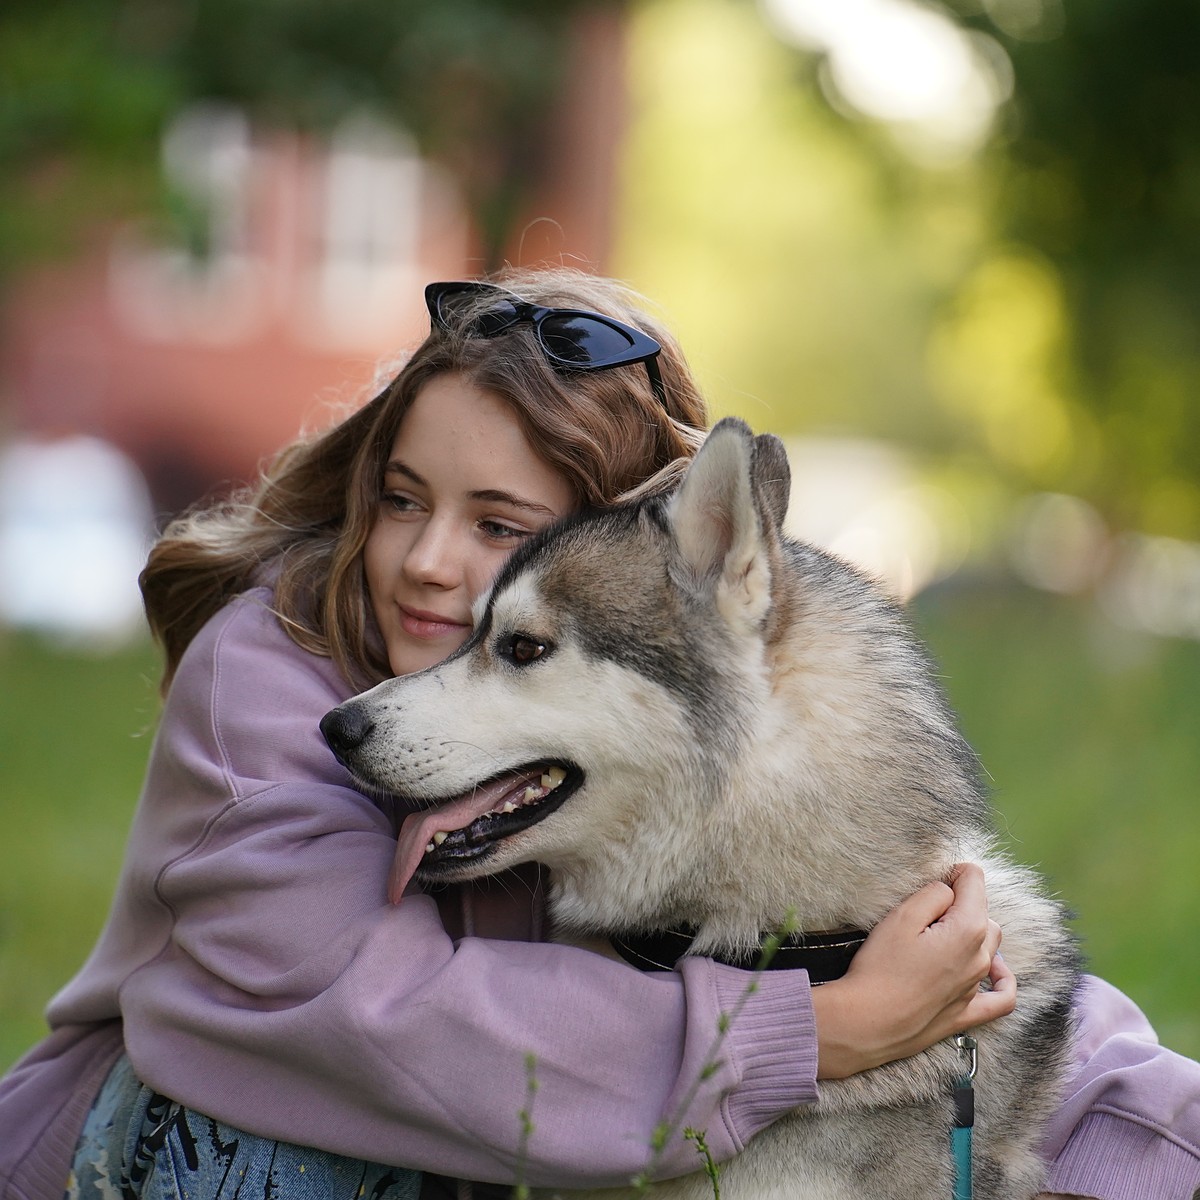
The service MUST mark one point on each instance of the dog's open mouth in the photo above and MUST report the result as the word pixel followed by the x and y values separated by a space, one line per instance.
pixel 463 829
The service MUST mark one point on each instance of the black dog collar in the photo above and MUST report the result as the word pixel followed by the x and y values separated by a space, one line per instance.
pixel 825 956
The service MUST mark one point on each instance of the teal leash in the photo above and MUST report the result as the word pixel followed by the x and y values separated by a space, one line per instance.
pixel 964 1118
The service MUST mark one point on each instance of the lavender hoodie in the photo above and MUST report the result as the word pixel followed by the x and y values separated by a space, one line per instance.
pixel 253 970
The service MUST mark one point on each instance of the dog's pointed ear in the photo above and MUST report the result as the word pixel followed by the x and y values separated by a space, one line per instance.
pixel 724 521
pixel 772 479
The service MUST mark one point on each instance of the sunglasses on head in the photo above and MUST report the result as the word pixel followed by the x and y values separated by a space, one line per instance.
pixel 571 339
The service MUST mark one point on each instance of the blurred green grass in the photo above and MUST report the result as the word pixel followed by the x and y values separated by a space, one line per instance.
pixel 75 732
pixel 1089 734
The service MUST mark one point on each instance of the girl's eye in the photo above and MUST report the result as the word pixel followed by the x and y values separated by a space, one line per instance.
pixel 500 532
pixel 399 502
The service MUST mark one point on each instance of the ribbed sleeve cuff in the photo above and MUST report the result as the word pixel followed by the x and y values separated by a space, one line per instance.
pixel 772 1046
pixel 69 1068
pixel 1148 1164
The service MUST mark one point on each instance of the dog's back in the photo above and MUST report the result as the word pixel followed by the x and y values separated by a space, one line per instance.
pixel 845 785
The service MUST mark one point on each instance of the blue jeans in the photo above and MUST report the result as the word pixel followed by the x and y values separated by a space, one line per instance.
pixel 138 1145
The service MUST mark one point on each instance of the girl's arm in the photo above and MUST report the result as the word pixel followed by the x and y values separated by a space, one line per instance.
pixel 1129 1126
pixel 264 979
pixel 291 1000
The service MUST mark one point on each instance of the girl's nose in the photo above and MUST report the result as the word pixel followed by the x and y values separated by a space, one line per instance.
pixel 436 557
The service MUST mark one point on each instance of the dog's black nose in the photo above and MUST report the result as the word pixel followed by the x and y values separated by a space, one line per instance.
pixel 346 728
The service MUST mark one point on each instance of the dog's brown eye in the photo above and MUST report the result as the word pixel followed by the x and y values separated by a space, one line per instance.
pixel 522 649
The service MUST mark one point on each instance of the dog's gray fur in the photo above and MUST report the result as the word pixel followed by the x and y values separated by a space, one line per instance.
pixel 753 731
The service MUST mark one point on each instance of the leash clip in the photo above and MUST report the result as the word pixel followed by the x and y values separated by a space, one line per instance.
pixel 969 1047
pixel 964 1117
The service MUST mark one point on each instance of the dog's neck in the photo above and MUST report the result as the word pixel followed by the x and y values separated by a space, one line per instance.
pixel 825 956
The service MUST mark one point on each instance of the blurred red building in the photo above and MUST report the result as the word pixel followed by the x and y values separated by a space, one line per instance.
pixel 315 259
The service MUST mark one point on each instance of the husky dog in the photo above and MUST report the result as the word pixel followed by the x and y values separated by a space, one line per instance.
pixel 698 723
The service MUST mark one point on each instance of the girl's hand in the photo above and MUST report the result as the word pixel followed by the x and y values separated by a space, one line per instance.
pixel 916 980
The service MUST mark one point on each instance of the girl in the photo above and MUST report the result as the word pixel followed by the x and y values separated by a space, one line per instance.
pixel 255 1014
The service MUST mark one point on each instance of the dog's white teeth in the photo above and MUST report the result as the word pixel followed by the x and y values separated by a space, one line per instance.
pixel 439 837
pixel 509 806
pixel 531 794
pixel 553 777
pixel 429 848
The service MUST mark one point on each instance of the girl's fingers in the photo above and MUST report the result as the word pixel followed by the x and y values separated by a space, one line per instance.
pixel 968 885
pixel 995 935
pixel 1000 974
pixel 920 910
pixel 999 1002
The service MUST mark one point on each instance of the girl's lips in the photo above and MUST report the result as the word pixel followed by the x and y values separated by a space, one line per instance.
pixel 419 624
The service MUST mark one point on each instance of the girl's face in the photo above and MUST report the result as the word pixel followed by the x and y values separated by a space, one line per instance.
pixel 461 489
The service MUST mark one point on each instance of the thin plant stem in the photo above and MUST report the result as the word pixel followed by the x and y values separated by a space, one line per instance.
pixel 643 1181
pixel 710 1168
pixel 525 1116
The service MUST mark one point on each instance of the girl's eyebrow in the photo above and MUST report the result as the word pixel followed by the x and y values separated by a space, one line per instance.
pixel 485 495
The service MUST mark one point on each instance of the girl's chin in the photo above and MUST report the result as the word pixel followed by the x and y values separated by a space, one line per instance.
pixel 411 655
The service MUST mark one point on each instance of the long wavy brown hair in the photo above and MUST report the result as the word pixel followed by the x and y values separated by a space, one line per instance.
pixel 303 524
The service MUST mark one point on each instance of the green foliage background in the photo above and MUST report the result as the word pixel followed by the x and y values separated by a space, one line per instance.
pixel 1028 314
pixel 1098 170
pixel 86 87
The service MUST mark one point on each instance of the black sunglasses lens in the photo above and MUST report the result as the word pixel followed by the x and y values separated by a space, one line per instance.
pixel 495 320
pixel 583 340
pixel 455 305
pixel 448 304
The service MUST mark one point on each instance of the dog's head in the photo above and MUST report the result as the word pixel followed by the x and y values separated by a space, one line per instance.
pixel 616 661
pixel 684 715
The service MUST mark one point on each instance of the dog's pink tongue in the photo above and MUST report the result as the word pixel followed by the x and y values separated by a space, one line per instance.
pixel 417 829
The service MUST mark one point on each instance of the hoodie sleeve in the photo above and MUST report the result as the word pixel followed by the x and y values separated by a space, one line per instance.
pixel 1129 1127
pixel 287 998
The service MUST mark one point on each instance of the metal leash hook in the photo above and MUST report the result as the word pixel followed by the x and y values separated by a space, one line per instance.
pixel 964 1117
pixel 970 1047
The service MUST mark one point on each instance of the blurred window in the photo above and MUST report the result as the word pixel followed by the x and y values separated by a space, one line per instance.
pixel 75 526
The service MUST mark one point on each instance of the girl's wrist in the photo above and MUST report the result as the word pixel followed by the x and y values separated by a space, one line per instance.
pixel 841 1040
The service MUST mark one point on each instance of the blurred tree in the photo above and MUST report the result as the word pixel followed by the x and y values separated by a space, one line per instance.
pixel 1028 312
pixel 1100 167
pixel 88 84
pixel 79 118
pixel 800 257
